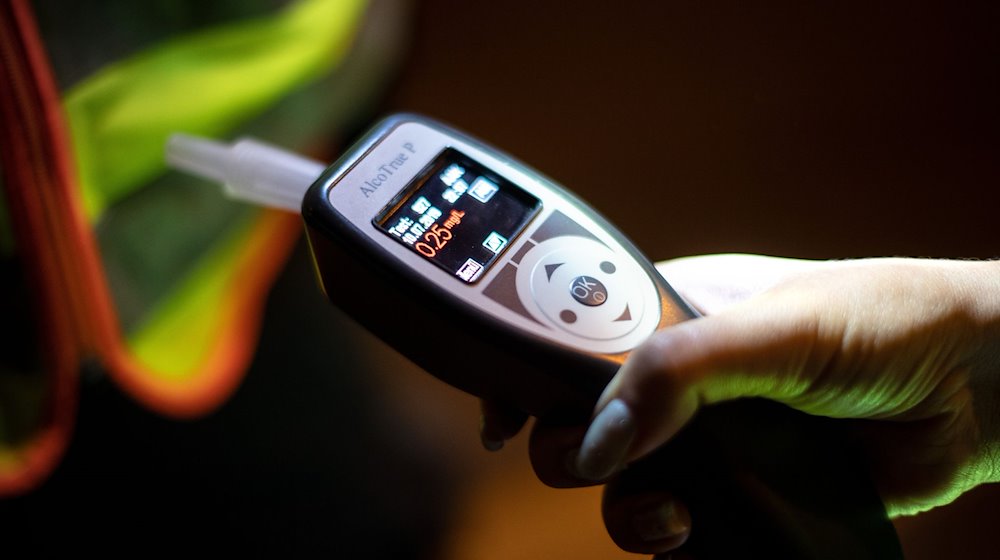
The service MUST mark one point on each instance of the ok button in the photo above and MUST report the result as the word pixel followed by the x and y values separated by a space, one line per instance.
pixel 588 291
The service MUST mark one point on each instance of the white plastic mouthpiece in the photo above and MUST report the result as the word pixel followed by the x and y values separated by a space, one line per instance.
pixel 248 169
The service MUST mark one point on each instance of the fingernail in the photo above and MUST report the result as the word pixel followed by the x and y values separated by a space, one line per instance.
pixel 606 443
pixel 489 442
pixel 661 522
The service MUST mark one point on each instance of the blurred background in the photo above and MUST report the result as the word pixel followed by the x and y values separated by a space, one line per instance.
pixel 846 130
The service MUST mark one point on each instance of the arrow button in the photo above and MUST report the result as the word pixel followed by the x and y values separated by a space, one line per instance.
pixel 550 268
pixel 625 316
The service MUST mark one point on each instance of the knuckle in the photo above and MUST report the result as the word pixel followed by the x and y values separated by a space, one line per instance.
pixel 654 364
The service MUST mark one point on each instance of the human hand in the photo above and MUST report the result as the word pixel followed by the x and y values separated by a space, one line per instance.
pixel 910 347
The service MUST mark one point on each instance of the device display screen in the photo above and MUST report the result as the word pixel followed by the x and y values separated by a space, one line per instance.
pixel 458 214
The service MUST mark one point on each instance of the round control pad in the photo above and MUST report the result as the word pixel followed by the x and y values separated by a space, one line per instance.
pixel 587 290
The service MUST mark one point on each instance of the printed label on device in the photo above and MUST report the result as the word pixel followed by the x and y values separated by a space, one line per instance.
pixel 458 214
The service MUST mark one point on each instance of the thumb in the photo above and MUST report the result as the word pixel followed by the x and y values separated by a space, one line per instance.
pixel 746 351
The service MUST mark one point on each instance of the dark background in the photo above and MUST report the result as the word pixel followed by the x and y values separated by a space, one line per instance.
pixel 839 130
pixel 819 131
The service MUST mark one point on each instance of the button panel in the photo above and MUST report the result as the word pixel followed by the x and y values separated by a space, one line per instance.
pixel 586 290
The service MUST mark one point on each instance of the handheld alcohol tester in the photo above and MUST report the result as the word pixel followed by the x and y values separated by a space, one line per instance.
pixel 502 283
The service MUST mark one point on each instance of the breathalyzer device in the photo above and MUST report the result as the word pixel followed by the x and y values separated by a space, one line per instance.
pixel 480 269
pixel 504 284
